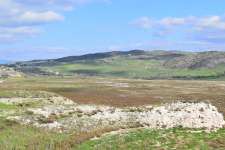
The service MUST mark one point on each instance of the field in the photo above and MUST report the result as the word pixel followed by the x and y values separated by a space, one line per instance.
pixel 14 136
pixel 118 92
pixel 122 92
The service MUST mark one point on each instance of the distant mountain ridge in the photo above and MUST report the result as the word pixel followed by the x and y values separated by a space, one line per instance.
pixel 101 55
pixel 148 64
pixel 91 56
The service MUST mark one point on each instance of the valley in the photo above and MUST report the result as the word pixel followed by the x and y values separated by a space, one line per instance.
pixel 131 99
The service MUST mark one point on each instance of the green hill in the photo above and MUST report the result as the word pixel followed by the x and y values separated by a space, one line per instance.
pixel 133 64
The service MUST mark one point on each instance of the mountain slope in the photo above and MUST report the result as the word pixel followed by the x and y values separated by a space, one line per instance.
pixel 6 72
pixel 133 64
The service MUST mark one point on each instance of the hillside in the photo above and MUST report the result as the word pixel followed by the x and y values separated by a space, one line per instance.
pixel 133 64
pixel 6 72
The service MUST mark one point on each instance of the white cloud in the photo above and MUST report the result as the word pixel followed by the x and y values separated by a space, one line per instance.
pixel 209 29
pixel 147 23
pixel 19 30
pixel 172 21
pixel 18 21
pixel 215 22
pixel 143 22
pixel 9 34
pixel 16 15
pixel 39 17
pixel 56 4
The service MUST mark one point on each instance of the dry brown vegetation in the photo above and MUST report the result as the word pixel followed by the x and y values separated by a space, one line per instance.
pixel 117 92
pixel 124 92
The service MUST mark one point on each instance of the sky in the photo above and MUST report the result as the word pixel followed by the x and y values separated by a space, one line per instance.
pixel 40 29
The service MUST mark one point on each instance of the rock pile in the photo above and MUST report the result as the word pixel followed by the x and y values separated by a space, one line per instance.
pixel 187 115
pixel 60 114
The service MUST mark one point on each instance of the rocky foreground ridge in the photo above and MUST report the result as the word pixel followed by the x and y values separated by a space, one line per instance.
pixel 60 114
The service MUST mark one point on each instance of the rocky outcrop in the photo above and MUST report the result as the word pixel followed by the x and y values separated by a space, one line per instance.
pixel 187 115
pixel 62 115
pixel 197 60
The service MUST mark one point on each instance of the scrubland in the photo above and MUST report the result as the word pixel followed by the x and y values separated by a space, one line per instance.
pixel 33 108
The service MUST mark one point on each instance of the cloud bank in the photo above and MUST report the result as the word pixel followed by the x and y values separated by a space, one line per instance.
pixel 210 29
pixel 24 18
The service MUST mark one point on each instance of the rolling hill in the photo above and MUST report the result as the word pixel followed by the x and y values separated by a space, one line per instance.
pixel 133 64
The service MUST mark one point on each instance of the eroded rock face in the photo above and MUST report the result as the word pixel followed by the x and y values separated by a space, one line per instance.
pixel 60 114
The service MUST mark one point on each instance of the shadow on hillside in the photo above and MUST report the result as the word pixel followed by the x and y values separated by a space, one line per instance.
pixel 97 73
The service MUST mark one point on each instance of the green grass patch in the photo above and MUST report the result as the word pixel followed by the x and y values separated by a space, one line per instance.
pixel 133 68
pixel 159 139
pixel 15 136
pixel 7 106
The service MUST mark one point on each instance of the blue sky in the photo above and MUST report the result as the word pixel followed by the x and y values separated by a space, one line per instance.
pixel 38 29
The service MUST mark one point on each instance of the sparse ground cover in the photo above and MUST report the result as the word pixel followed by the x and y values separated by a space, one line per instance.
pixel 108 119
pixel 16 136
pixel 121 92
pixel 111 92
